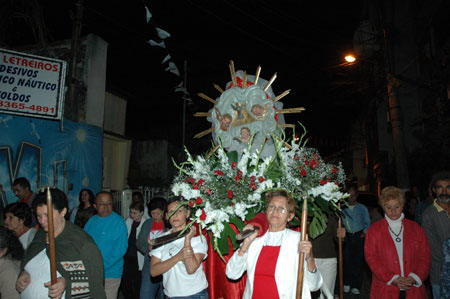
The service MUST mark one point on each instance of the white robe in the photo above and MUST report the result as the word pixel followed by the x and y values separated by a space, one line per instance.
pixel 285 272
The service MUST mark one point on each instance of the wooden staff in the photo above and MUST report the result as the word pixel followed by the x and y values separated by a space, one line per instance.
pixel 341 272
pixel 51 237
pixel 301 260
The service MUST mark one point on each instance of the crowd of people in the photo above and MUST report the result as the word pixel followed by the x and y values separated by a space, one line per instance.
pixel 99 254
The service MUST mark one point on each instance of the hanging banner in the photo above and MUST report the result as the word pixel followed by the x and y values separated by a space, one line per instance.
pixel 31 85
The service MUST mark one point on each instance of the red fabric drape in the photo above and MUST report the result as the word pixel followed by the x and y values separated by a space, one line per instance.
pixel 219 285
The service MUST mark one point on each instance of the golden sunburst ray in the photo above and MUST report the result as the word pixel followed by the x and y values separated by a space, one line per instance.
pixel 291 110
pixel 233 73
pixel 219 89
pixel 212 151
pixel 270 82
pixel 285 93
pixel 258 71
pixel 205 132
pixel 202 114
pixel 204 96
pixel 244 80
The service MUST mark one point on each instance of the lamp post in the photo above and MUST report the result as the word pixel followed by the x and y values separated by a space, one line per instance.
pixel 395 119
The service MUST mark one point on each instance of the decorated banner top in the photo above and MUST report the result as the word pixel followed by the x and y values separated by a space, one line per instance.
pixel 31 85
pixel 251 157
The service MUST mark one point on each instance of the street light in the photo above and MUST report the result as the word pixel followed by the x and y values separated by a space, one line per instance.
pixel 350 58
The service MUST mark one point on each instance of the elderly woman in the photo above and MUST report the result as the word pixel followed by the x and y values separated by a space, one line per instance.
pixel 11 252
pixel 397 251
pixel 79 265
pixel 18 218
pixel 272 260
pixel 180 261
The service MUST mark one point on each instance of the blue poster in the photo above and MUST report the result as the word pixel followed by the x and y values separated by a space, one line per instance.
pixel 46 153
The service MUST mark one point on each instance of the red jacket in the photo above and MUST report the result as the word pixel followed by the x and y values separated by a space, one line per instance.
pixel 382 257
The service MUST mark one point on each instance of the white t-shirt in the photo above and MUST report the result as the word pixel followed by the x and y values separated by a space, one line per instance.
pixel 27 237
pixel 39 269
pixel 176 281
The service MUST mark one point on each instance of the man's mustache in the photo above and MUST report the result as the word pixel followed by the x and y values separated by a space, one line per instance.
pixel 444 197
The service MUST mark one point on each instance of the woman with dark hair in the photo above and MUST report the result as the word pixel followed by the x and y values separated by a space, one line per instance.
pixel 18 218
pixel 180 261
pixel 79 262
pixel 11 252
pixel 86 207
pixel 152 228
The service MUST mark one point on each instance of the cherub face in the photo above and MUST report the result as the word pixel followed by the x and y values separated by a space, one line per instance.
pixel 245 132
pixel 226 119
pixel 257 110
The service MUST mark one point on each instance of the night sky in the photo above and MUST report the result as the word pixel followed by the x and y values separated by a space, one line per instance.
pixel 302 41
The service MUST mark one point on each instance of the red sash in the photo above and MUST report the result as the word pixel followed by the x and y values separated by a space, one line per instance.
pixel 264 285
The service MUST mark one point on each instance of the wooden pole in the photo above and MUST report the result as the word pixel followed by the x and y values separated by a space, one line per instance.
pixel 301 260
pixel 51 237
pixel 341 267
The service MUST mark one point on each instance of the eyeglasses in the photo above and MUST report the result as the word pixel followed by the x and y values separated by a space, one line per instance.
pixel 273 208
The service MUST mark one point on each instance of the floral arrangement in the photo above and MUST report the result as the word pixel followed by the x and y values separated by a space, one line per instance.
pixel 222 189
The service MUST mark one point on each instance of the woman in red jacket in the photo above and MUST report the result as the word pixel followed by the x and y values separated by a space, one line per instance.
pixel 397 251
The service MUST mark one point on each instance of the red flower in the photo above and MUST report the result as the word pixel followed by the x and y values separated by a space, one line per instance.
pixel 296 158
pixel 313 165
pixel 230 194
pixel 253 186
pixel 237 178
pixel 200 182
pixel 335 170
pixel 252 178
pixel 323 182
pixel 233 165
pixel 195 187
pixel 307 162
pixel 209 192
pixel 303 172
pixel 198 201
pixel 203 215
pixel 190 180
pixel 218 172
pixel 239 173
pixel 261 179
pixel 191 203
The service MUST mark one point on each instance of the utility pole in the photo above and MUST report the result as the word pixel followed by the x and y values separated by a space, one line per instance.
pixel 401 163
pixel 71 110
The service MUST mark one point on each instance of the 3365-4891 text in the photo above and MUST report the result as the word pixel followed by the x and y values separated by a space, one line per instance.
pixel 23 106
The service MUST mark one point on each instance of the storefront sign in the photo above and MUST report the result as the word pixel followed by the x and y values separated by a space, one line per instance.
pixel 31 85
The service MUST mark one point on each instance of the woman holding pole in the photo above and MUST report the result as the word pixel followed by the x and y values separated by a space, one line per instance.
pixel 78 262
pixel 272 260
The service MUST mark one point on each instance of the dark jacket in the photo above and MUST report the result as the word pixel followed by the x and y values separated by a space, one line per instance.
pixel 73 245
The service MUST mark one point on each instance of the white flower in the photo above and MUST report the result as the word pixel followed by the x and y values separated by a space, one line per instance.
pixel 240 210
pixel 266 185
pixel 329 191
pixel 254 197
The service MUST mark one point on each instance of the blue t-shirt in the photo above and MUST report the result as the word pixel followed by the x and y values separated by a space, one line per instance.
pixel 357 219
pixel 111 236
